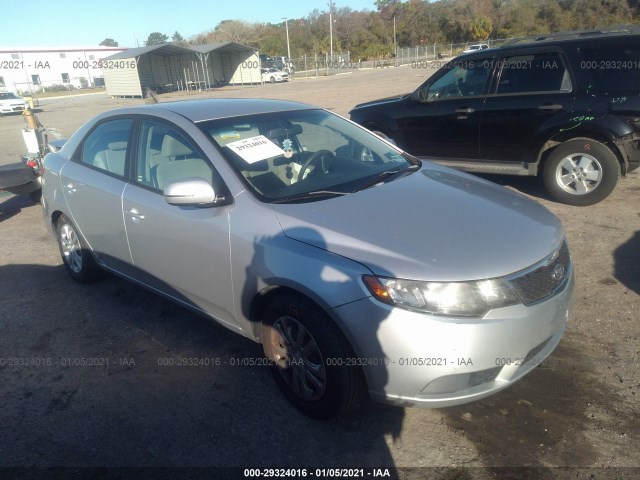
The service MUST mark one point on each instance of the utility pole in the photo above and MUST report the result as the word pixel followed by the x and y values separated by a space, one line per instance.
pixel 286 25
pixel 395 45
pixel 331 30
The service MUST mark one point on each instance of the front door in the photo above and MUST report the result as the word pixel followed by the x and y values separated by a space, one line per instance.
pixel 183 252
pixel 442 120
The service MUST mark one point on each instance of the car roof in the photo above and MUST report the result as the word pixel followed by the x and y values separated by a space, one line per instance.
pixel 564 38
pixel 213 109
pixel 577 36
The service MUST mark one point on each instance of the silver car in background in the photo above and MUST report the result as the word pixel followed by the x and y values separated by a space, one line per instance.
pixel 359 268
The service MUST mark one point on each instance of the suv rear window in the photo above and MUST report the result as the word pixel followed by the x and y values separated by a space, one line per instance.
pixel 610 69
pixel 542 72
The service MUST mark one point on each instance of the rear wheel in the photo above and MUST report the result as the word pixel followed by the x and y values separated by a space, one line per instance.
pixel 581 172
pixel 76 257
pixel 310 358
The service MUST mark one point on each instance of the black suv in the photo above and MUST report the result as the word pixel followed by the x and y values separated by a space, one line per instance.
pixel 564 105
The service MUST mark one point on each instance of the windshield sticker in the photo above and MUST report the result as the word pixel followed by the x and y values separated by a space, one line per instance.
pixel 254 149
pixel 229 135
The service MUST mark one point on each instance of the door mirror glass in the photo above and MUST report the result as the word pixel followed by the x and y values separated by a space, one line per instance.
pixel 190 192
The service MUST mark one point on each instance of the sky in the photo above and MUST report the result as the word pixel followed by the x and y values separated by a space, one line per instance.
pixel 84 23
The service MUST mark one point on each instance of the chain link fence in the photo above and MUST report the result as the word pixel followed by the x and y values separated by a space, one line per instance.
pixel 425 53
pixel 325 64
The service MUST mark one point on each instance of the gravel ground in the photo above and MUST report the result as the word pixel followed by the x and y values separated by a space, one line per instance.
pixel 577 416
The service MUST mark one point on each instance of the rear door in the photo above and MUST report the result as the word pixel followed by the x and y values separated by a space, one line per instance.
pixel 442 120
pixel 93 183
pixel 533 93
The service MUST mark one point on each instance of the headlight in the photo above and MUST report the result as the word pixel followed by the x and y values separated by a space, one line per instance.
pixel 468 299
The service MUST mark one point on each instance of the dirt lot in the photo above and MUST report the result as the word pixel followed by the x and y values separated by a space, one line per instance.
pixel 577 416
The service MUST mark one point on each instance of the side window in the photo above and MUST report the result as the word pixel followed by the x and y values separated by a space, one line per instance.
pixel 106 146
pixel 166 156
pixel 542 72
pixel 464 79
pixel 610 69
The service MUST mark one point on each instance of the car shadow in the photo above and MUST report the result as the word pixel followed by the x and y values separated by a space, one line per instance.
pixel 122 377
pixel 12 205
pixel 545 419
pixel 627 263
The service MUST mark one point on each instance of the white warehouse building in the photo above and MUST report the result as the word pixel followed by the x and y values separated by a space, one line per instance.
pixel 34 69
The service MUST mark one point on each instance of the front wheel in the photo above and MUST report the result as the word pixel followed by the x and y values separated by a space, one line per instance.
pixel 581 172
pixel 312 363
pixel 76 257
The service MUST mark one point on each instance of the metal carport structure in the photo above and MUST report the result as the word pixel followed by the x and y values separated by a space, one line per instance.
pixel 169 67
pixel 157 67
pixel 228 63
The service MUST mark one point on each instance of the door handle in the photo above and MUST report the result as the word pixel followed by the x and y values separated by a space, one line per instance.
pixel 136 216
pixel 550 107
pixel 70 188
pixel 465 110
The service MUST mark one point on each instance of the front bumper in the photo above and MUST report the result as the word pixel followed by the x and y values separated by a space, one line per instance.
pixel 12 108
pixel 414 359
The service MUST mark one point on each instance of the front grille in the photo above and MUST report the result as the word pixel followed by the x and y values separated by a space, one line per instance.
pixel 545 279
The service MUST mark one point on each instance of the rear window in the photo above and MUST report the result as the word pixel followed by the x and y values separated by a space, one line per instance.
pixel 542 72
pixel 610 69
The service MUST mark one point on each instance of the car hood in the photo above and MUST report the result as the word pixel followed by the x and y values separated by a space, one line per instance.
pixel 380 101
pixel 12 101
pixel 435 224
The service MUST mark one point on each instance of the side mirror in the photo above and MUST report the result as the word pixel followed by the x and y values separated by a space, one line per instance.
pixel 420 95
pixel 191 192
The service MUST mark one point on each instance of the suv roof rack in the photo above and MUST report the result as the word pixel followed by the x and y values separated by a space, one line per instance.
pixel 575 34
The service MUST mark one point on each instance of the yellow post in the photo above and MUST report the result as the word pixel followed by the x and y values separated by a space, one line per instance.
pixel 29 100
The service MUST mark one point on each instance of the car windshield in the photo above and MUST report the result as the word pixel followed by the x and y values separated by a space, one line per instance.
pixel 8 96
pixel 304 154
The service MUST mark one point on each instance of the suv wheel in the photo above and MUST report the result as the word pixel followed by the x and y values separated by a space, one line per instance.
pixel 581 172
pixel 310 358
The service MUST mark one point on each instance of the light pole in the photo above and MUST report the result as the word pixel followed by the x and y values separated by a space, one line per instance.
pixel 286 26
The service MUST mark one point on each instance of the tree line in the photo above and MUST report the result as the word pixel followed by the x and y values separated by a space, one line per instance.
pixel 370 34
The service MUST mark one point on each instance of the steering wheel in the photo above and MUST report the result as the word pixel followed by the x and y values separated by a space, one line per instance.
pixel 321 154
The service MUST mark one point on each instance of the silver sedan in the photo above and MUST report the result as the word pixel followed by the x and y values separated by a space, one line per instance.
pixel 359 268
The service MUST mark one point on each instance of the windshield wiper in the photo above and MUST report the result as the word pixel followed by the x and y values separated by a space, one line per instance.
pixel 307 195
pixel 382 175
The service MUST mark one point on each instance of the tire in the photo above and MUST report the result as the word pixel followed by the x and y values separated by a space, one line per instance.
pixel 272 80
pixel 76 256
pixel 581 172
pixel 299 338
